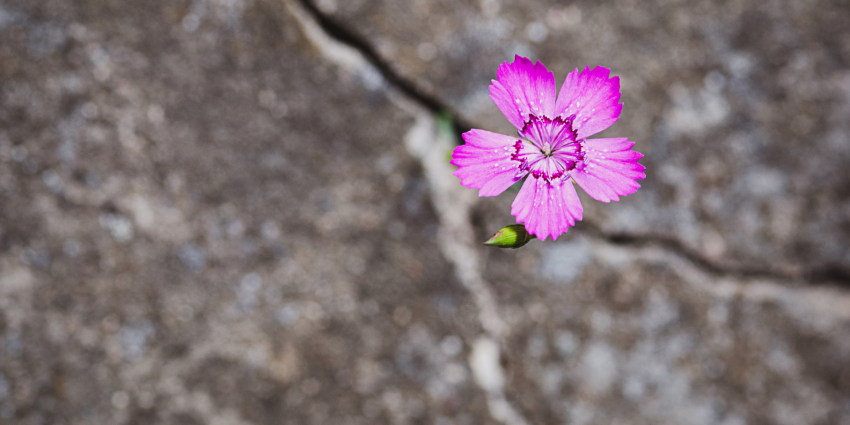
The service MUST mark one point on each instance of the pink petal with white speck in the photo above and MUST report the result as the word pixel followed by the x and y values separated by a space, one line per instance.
pixel 610 169
pixel 547 209
pixel 524 89
pixel 592 97
pixel 485 163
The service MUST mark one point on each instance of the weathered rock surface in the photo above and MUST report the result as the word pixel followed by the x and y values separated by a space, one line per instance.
pixel 207 217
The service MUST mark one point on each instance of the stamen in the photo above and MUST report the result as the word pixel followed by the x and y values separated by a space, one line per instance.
pixel 556 148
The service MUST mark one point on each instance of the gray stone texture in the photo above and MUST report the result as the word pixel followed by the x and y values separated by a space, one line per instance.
pixel 205 219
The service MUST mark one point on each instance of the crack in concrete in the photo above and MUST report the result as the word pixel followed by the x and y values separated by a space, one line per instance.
pixel 825 309
pixel 826 274
pixel 452 201
pixel 350 38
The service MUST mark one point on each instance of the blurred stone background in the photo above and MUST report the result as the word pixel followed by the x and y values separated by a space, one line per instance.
pixel 239 212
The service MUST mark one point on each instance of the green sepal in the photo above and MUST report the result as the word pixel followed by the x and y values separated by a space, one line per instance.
pixel 510 236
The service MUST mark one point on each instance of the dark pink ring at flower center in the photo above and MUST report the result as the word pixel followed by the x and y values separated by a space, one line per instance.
pixel 548 148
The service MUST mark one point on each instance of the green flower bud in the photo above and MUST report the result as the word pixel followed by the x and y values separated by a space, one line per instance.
pixel 511 236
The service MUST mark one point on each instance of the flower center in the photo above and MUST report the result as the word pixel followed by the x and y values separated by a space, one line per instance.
pixel 548 148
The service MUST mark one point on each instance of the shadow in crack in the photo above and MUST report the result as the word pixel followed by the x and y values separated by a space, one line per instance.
pixel 347 36
pixel 822 275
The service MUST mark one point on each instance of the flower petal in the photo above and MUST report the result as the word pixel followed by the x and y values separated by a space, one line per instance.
pixel 592 97
pixel 485 162
pixel 547 209
pixel 610 169
pixel 524 89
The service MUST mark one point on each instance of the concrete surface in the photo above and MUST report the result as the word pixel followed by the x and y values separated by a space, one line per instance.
pixel 239 212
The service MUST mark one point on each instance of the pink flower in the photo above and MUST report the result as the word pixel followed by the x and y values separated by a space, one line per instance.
pixel 552 149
